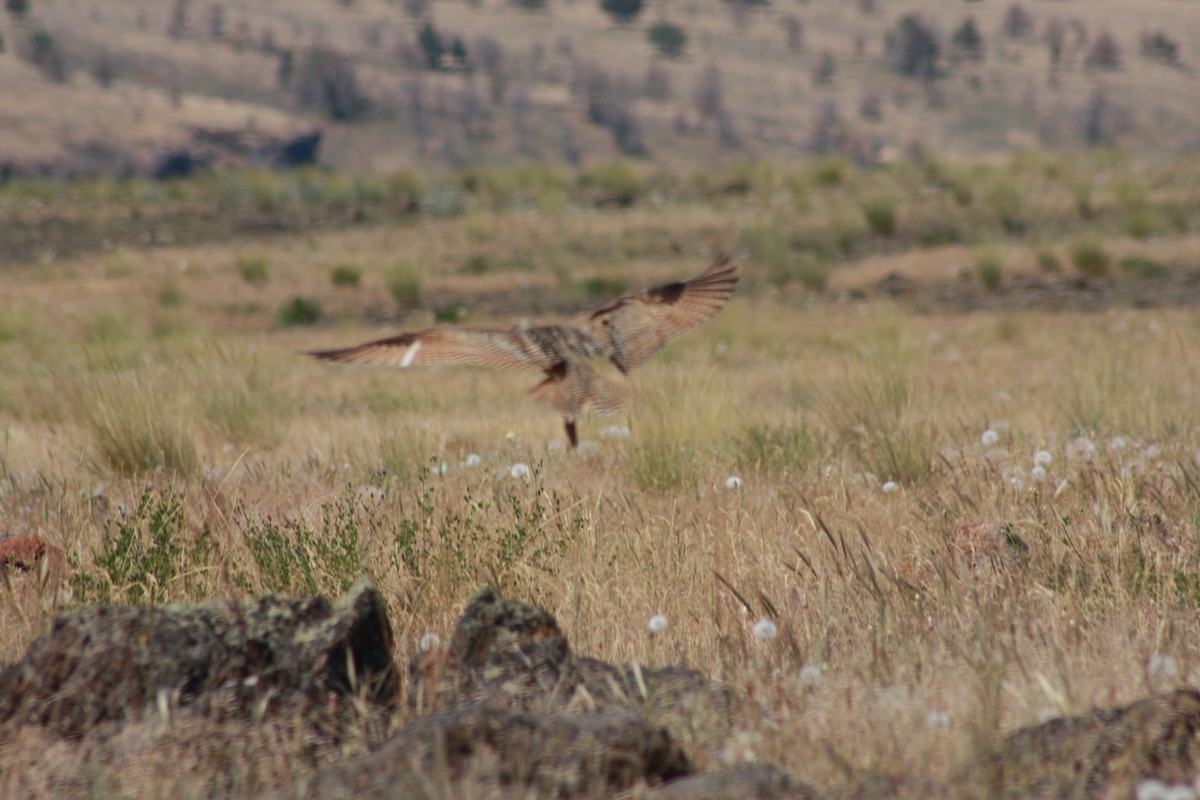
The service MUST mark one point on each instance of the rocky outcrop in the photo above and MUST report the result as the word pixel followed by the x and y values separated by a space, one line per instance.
pixel 247 658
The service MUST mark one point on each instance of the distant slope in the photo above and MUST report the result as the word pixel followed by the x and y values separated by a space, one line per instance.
pixel 568 84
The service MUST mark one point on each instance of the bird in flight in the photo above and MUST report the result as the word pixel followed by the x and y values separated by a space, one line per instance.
pixel 626 333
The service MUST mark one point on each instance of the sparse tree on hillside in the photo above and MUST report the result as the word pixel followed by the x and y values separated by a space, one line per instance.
pixel 45 53
pixel 1103 120
pixel 1158 46
pixel 1056 38
pixel 825 70
pixel 216 21
pixel 622 12
pixel 913 49
pixel 103 70
pixel 968 39
pixel 488 55
pixel 669 39
pixel 17 9
pixel 710 93
pixel 793 32
pixel 325 79
pixel 177 24
pixel 416 9
pixel 1018 22
pixel 871 107
pixel 431 46
pixel 657 85
pixel 1105 53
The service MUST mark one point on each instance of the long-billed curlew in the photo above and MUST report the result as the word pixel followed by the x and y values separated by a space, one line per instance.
pixel 627 333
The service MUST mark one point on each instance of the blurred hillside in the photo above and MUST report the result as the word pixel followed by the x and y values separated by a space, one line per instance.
pixel 161 87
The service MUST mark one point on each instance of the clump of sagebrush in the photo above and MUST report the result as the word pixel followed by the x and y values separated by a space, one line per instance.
pixel 346 276
pixel 252 269
pixel 299 311
pixel 1090 258
pixel 880 213
pixel 989 266
pixel 404 283
pixel 1047 259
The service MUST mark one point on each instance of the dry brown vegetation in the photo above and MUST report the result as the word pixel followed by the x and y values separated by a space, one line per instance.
pixel 933 587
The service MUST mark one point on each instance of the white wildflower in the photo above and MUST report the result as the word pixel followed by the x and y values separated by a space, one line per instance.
pixel 891 487
pixel 765 629
pixel 1082 449
pixel 473 460
pixel 658 623
pixel 733 482
pixel 1117 443
pixel 440 469
pixel 989 438
pixel 519 470
pixel 1038 473
pixel 1043 458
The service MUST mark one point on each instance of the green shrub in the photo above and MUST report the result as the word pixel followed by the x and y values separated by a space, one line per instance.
pixel 880 213
pixel 346 276
pixel 1138 267
pixel 668 39
pixel 299 311
pixel 1090 258
pixel 989 266
pixel 405 285
pixel 617 183
pixel 1047 259
pixel 1004 199
pixel 253 269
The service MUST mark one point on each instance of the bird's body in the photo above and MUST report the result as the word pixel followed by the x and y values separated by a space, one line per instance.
pixel 627 333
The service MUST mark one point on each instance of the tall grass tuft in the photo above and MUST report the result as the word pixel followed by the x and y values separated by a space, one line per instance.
pixel 675 425
pixel 989 266
pixel 1090 258
pixel 404 283
pixel 877 414
pixel 136 427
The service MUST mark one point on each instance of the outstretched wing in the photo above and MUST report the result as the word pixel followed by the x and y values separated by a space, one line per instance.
pixel 638 325
pixel 481 348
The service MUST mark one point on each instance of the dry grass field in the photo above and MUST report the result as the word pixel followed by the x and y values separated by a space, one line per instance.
pixel 960 523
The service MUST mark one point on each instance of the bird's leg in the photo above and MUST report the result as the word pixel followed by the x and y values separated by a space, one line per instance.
pixel 572 436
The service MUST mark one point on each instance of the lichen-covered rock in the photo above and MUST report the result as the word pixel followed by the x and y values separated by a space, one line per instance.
pixel 223 657
pixel 557 754
pixel 1104 753
pixel 763 782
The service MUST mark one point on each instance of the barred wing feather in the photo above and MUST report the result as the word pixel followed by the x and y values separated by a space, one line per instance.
pixel 498 349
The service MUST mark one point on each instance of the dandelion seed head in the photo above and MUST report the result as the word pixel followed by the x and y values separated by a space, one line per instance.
pixel 1153 451
pixel 1162 666
pixel 1117 443
pixel 519 470
pixel 811 677
pixel 733 482
pixel 440 469
pixel 1038 473
pixel 1082 449
pixel 989 438
pixel 937 720
pixel 891 487
pixel 472 460
pixel 658 623
pixel 1016 483
pixel 765 629
pixel 1043 458
pixel 615 432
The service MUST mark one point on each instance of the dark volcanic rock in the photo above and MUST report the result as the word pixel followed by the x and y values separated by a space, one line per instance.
pixel 223 657
pixel 1104 753
pixel 556 753
pixel 743 783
